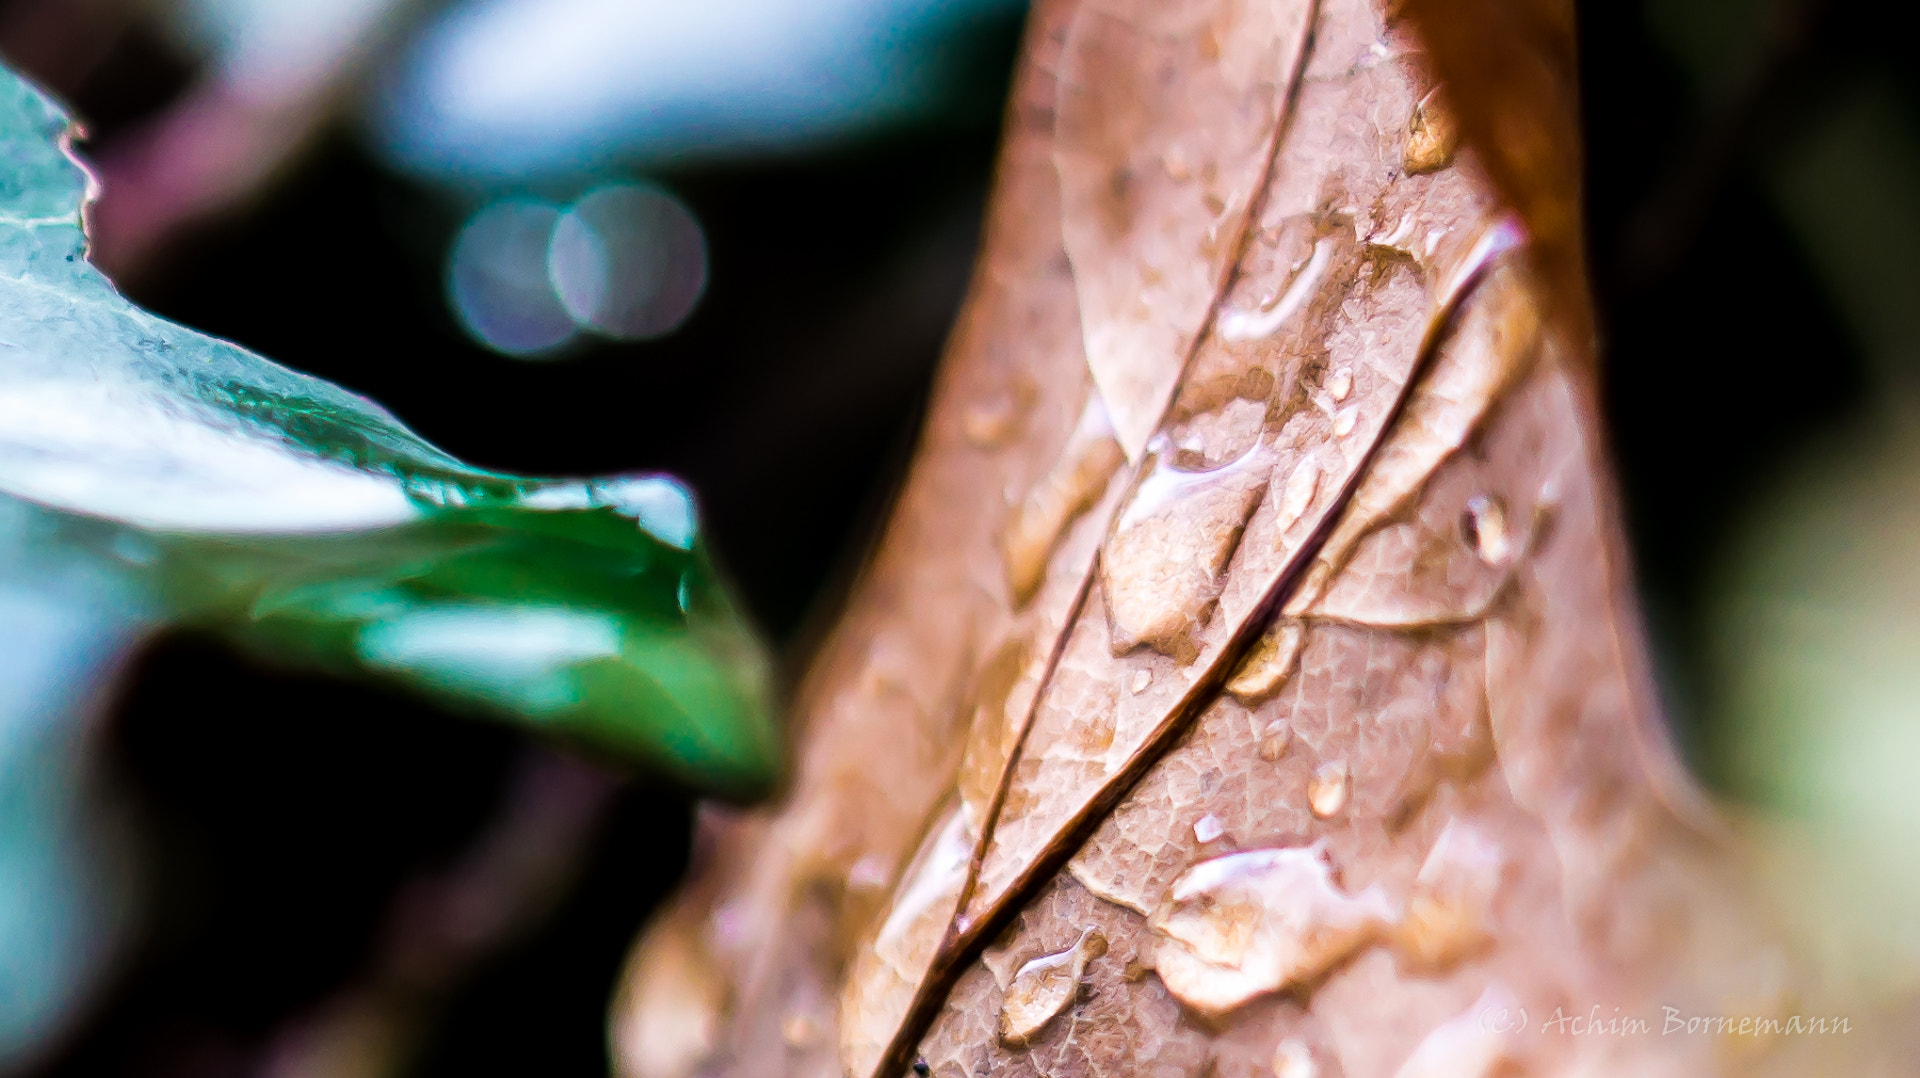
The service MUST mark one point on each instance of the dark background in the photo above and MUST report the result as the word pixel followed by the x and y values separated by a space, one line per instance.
pixel 286 812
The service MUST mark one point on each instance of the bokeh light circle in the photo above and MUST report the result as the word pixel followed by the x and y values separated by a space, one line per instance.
pixel 498 284
pixel 628 261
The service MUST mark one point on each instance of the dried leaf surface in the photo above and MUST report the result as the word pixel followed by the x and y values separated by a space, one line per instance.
pixel 1322 706
pixel 934 651
pixel 1166 117
pixel 1361 324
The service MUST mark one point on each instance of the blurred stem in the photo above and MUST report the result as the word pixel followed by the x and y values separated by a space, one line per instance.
pixel 447 922
pixel 232 133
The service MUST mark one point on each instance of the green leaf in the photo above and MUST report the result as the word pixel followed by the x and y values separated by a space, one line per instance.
pixel 309 525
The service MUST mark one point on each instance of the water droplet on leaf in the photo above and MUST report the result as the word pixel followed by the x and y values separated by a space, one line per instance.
pixel 799 1031
pixel 869 873
pixel 1238 325
pixel 1239 926
pixel 1485 525
pixel 1044 987
pixel 1450 912
pixel 1161 568
pixel 1327 789
pixel 1266 666
pixel 1275 740
pixel 1208 828
pixel 1432 136
pixel 1073 486
pixel 990 422
pixel 674 1004
pixel 880 987
pixel 1296 496
pixel 1293 1059
pixel 1340 385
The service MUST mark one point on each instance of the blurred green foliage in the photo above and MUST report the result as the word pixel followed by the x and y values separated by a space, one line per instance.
pixel 153 476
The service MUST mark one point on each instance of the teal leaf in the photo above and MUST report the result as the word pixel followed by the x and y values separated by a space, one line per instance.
pixel 308 525
pixel 64 899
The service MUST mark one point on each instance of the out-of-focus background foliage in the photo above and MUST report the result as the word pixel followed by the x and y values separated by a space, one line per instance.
pixel 726 239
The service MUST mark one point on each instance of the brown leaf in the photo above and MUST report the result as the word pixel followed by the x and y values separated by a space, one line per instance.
pixel 1509 71
pixel 1165 128
pixel 1323 706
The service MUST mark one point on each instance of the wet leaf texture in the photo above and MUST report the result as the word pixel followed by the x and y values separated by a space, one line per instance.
pixel 1285 647
pixel 1165 118
pixel 214 488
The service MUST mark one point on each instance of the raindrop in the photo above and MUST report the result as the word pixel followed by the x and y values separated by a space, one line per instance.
pixel 1340 385
pixel 1485 525
pixel 799 1031
pixel 1293 1059
pixel 1245 924
pixel 1141 679
pixel 497 280
pixel 1265 668
pixel 1327 789
pixel 927 890
pixel 1343 423
pixel 1403 230
pixel 1163 565
pixel 628 261
pixel 1253 325
pixel 1450 912
pixel 1275 740
pixel 990 422
pixel 1071 487
pixel 1432 136
pixel 869 873
pixel 1044 987
pixel 1208 828
pixel 658 503
pixel 661 505
pixel 1302 484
